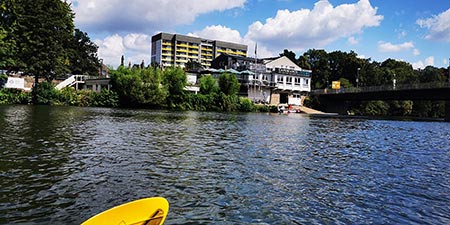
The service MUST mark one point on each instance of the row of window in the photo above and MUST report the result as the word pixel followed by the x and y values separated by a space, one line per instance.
pixel 297 80
pixel 280 79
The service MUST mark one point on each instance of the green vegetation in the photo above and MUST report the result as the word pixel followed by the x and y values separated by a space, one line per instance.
pixel 356 72
pixel 39 38
pixel 13 96
pixel 153 88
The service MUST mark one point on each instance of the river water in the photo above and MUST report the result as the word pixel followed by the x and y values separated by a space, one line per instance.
pixel 61 165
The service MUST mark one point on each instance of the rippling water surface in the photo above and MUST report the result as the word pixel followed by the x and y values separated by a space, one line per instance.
pixel 65 164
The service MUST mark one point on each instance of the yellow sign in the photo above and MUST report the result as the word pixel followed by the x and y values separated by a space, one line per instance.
pixel 336 85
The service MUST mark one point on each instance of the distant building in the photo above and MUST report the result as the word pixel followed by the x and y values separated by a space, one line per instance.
pixel 177 50
pixel 271 80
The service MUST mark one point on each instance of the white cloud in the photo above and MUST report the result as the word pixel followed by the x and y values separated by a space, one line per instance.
pixel 314 28
pixel 219 32
pixel 422 64
pixel 137 42
pixel 352 40
pixel 135 47
pixel 416 52
pixel 138 15
pixel 389 47
pixel 222 33
pixel 110 49
pixel 438 26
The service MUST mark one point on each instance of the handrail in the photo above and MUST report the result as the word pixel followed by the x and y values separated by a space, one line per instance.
pixel 398 87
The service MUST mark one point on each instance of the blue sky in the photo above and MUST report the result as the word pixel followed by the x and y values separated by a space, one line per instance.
pixel 415 31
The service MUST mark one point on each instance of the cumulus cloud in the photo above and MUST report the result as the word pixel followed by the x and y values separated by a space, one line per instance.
pixel 135 46
pixel 137 15
pixel 438 26
pixel 223 33
pixel 389 47
pixel 422 64
pixel 314 28
pixel 416 52
pixel 219 32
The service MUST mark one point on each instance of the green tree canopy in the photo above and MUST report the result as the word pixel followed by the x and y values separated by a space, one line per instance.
pixel 44 29
pixel 139 87
pixel 290 55
pixel 229 84
pixel 208 85
pixel 175 79
pixel 7 27
pixel 82 56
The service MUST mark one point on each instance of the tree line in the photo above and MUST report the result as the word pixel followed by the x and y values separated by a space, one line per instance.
pixel 150 87
pixel 353 71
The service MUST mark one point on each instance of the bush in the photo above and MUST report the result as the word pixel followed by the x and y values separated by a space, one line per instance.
pixel 374 108
pixel 106 98
pixel 69 96
pixel 246 105
pixel 14 96
pixel 46 94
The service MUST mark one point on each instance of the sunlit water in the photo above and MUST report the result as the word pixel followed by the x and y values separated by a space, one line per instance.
pixel 65 164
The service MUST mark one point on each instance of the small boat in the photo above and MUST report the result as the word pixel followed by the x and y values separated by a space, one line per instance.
pixel 147 211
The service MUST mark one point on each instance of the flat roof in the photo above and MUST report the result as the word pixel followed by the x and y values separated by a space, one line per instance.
pixel 192 39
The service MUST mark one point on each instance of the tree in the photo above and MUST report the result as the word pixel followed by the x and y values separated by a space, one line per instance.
pixel 402 72
pixel 192 65
pixel 290 55
pixel 175 79
pixel 431 74
pixel 303 63
pixel 44 28
pixel 7 27
pixel 208 85
pixel 229 84
pixel 83 57
pixel 139 87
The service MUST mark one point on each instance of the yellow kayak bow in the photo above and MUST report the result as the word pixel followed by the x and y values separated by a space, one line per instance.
pixel 147 211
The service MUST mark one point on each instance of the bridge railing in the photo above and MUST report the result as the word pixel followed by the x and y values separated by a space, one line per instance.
pixel 382 88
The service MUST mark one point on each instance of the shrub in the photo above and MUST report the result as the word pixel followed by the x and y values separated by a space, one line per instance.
pixel 14 96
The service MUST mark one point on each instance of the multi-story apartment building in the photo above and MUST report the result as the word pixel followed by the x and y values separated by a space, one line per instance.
pixel 177 50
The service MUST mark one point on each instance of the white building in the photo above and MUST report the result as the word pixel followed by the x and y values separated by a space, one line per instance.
pixel 272 80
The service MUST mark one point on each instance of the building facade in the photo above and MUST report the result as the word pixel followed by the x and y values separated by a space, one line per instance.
pixel 272 80
pixel 177 50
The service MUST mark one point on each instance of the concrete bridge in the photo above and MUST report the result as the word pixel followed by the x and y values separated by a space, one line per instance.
pixel 335 100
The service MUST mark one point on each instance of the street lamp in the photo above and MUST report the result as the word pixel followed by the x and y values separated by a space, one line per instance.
pixel 357 76
pixel 393 82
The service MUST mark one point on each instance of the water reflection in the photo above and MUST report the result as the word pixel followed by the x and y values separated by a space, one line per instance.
pixel 64 164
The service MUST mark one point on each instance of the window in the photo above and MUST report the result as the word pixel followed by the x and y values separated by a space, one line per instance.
pixel 289 80
pixel 297 80
pixel 280 79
